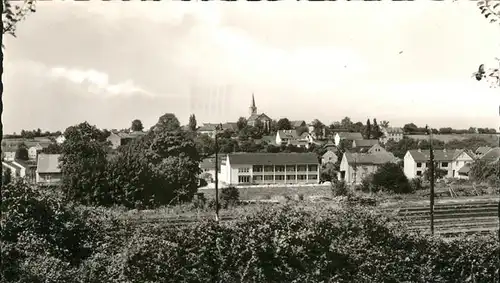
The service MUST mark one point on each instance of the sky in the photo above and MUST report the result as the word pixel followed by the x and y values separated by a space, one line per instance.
pixel 111 62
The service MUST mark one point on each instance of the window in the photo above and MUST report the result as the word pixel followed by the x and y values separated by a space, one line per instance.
pixel 290 177
pixel 419 173
pixel 279 168
pixel 313 168
pixel 444 164
pixel 257 168
pixel 268 177
pixel 419 164
pixel 257 178
pixel 279 177
pixel 301 168
pixel 313 177
pixel 290 168
pixel 268 168
pixel 243 179
pixel 302 177
pixel 243 170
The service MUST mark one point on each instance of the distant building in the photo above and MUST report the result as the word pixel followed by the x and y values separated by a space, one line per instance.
pixel 48 171
pixel 391 133
pixel 298 123
pixel 417 161
pixel 363 145
pixel 329 157
pixel 255 116
pixel 354 167
pixel 270 168
pixel 122 138
pixel 340 136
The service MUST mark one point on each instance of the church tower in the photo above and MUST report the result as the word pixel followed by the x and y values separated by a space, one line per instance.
pixel 253 108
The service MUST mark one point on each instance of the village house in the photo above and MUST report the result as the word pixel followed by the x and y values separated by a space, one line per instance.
pixel 255 116
pixel 207 166
pixel 270 168
pixel 417 161
pixel 298 124
pixel 17 170
pixel 48 171
pixel 354 167
pixel 363 145
pixel 340 136
pixel 208 129
pixel 391 133
pixel 121 138
pixel 290 137
pixel 329 156
pixel 34 150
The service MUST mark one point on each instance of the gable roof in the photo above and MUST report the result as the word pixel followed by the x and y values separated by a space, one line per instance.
pixel 377 158
pixel 365 143
pixel 48 163
pixel 482 150
pixel 287 134
pixel 439 154
pixel 230 126
pixel 350 136
pixel 243 158
pixel 329 152
pixel 492 155
pixel 254 117
pixel 298 123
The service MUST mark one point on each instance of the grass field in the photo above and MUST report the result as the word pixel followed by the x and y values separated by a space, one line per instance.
pixel 492 138
pixel 277 193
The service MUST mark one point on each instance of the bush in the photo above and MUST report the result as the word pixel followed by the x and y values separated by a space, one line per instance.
pixel 390 177
pixel 229 196
pixel 340 188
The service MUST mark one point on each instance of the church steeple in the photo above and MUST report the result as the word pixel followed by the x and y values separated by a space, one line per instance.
pixel 253 108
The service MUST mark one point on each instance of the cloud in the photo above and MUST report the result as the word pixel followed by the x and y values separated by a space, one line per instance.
pixel 97 82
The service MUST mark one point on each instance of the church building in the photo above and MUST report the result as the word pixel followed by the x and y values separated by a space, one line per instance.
pixel 254 116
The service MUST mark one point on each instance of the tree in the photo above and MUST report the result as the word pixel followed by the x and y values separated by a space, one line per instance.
pixel 83 165
pixel 22 152
pixel 12 15
pixel 328 172
pixel 284 124
pixel 6 176
pixel 368 131
pixel 384 124
pixel 410 128
pixel 346 123
pixel 318 128
pixel 390 177
pixel 241 123
pixel 52 148
pixel 376 132
pixel 137 126
pixel 167 122
pixel 438 173
pixel 192 123
pixel 205 145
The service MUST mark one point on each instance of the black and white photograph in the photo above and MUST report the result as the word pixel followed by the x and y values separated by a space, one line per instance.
pixel 250 141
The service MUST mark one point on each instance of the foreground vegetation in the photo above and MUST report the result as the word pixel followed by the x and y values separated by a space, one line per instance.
pixel 45 239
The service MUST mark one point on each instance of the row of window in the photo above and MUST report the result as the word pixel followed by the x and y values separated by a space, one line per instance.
pixel 246 179
pixel 443 164
pixel 280 168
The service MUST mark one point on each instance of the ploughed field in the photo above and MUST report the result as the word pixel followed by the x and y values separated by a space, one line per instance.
pixel 451 217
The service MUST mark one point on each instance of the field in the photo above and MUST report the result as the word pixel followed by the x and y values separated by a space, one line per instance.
pixel 276 192
pixel 492 138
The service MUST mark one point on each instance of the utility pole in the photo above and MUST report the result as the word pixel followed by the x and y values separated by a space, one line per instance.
pixel 431 169
pixel 217 128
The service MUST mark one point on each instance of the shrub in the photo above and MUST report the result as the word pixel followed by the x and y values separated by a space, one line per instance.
pixel 390 177
pixel 340 188
pixel 229 196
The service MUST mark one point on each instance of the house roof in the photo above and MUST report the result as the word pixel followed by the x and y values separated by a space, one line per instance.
pixel 394 130
pixel 365 143
pixel 254 117
pixel 464 170
pixel 350 136
pixel 287 134
pixel 439 155
pixel 207 127
pixel 268 139
pixel 48 163
pixel 272 158
pixel 492 155
pixel 209 163
pixel 12 165
pixel 230 126
pixel 370 158
pixel 330 152
pixel 304 135
pixel 298 123
pixel 482 150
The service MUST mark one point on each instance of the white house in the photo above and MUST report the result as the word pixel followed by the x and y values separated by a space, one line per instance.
pixel 60 139
pixel 270 168
pixel 354 167
pixel 48 171
pixel 17 170
pixel 416 162
pixel 329 157
pixel 391 133
pixel 339 136
pixel 283 137
pixel 34 150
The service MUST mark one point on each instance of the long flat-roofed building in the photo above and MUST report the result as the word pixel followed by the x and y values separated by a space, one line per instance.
pixel 270 168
